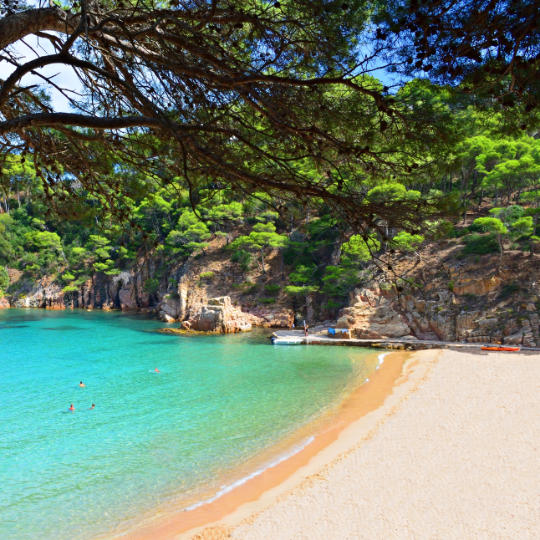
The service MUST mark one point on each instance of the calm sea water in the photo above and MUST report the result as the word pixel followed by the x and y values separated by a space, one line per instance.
pixel 152 437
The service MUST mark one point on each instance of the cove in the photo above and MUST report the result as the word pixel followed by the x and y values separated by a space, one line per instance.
pixel 178 436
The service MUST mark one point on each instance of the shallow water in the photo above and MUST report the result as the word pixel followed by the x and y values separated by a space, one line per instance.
pixel 216 402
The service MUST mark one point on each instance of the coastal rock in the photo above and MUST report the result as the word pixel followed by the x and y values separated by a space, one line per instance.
pixel 272 317
pixel 372 316
pixel 41 294
pixel 169 309
pixel 4 303
pixel 220 316
pixel 477 286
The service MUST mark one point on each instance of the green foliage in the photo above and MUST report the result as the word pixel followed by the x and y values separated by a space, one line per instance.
pixel 262 238
pixel 272 289
pixel 500 165
pixel 358 249
pixel 4 280
pixel 206 275
pixel 480 244
pixel 392 191
pixel 243 258
pixel 490 224
pixel 405 241
pixel 151 285
pixel 300 290
pixel 303 274
pixel 189 235
pixel 338 280
pixel 267 300
pixel 523 227
pixel 70 288
pixel 531 197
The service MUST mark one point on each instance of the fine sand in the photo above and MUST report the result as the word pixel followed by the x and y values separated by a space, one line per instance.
pixel 452 453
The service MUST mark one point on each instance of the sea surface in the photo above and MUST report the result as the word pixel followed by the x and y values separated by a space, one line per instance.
pixel 153 437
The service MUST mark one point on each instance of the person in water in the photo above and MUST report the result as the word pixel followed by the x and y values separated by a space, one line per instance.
pixel 93 406
pixel 156 370
pixel 82 385
pixel 72 408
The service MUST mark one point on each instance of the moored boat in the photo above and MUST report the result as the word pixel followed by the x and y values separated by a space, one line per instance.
pixel 497 348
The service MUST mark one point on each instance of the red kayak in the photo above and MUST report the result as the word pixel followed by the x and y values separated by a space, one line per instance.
pixel 501 348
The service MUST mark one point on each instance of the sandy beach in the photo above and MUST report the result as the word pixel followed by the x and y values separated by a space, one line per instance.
pixel 452 453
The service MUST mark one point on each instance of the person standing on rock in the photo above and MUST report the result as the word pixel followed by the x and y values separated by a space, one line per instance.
pixel 306 327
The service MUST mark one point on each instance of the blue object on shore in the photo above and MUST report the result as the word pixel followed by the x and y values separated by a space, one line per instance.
pixel 335 331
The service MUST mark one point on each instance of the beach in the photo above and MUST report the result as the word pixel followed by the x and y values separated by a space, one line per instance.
pixel 451 453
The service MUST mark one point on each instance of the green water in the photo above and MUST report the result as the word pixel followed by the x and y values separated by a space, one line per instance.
pixel 152 437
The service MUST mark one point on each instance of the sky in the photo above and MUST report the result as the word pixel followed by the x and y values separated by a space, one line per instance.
pixel 65 76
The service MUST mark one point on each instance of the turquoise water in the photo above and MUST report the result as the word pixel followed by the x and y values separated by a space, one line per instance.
pixel 152 437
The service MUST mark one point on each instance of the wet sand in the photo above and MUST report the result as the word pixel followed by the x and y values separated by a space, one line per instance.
pixel 452 453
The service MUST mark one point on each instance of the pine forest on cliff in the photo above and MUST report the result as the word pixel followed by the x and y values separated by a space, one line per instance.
pixel 310 147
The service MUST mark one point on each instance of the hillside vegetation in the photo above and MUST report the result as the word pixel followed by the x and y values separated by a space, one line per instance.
pixel 272 250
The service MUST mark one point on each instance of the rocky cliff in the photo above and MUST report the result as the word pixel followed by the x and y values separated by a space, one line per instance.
pixel 436 295
pixel 203 293
pixel 432 294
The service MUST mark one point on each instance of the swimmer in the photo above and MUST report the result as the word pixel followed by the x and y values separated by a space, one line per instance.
pixel 82 385
pixel 71 408
pixel 156 370
pixel 93 406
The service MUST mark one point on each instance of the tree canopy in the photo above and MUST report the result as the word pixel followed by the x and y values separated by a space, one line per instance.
pixel 255 95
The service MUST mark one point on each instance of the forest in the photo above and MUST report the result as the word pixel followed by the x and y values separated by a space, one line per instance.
pixel 335 134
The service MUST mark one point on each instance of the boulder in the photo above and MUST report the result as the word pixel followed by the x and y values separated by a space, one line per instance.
pixel 220 316
pixel 169 309
pixel 372 316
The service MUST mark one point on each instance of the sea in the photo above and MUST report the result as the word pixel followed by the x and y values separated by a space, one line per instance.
pixel 178 420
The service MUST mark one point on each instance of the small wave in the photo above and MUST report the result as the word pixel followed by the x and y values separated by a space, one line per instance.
pixel 258 472
pixel 381 359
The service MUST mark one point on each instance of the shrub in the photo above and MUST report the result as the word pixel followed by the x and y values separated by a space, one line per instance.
pixel 151 285
pixel 267 300
pixel 272 289
pixel 459 232
pixel 242 257
pixel 69 288
pixel 480 244
pixel 405 241
pixel 508 290
pixel 333 304
pixel 4 280
pixel 206 275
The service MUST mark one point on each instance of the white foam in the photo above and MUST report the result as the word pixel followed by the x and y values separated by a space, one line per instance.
pixel 258 472
pixel 381 359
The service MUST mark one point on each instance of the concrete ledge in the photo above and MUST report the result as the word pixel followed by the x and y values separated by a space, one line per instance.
pixel 296 337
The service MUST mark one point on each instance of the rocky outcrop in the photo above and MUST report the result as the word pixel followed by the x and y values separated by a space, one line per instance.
pixel 220 316
pixel 42 294
pixel 4 303
pixel 277 317
pixel 372 315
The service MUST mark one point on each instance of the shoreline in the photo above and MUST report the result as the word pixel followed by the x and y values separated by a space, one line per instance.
pixel 452 453
pixel 295 454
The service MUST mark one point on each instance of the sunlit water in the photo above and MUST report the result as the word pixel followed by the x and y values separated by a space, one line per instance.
pixel 152 438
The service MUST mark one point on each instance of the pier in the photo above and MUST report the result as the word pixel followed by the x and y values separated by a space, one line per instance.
pixel 319 336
